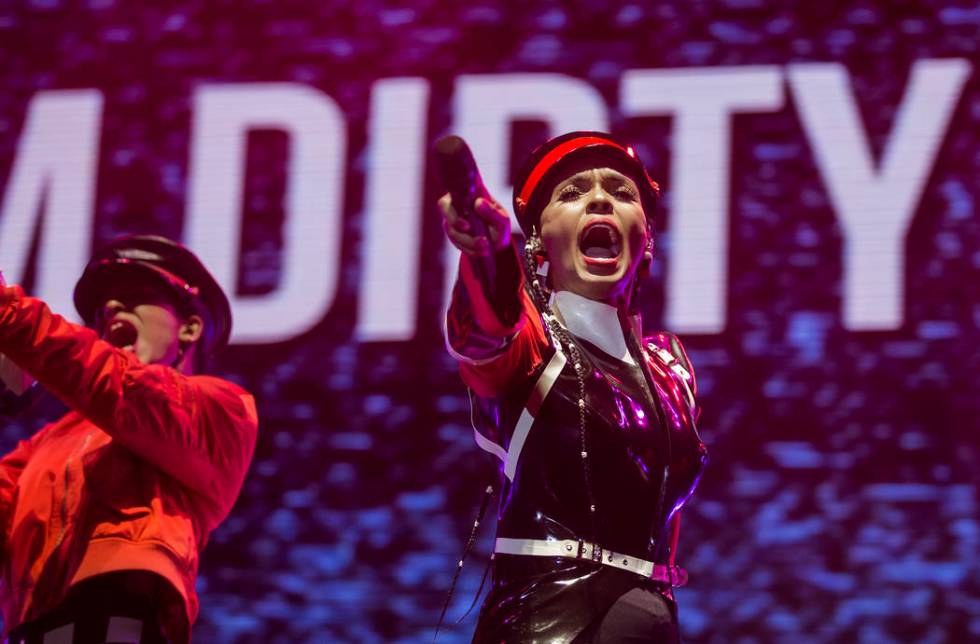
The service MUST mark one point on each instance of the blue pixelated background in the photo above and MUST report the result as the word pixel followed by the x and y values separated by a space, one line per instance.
pixel 841 499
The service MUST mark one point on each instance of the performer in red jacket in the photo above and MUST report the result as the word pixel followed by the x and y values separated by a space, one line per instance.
pixel 105 511
pixel 593 425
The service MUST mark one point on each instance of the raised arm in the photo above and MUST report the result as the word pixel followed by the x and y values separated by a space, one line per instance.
pixel 493 328
pixel 199 430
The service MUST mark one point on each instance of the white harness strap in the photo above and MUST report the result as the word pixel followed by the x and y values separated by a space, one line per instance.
pixel 486 444
pixel 574 549
pixel 540 391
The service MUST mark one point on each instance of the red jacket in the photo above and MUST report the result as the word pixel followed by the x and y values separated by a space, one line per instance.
pixel 136 477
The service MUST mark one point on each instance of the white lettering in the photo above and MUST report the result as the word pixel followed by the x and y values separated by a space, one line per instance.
pixel 223 115
pixel 876 206
pixel 392 229
pixel 701 102
pixel 485 106
pixel 56 165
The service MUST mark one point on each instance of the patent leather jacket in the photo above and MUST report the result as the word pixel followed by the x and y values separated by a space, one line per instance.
pixel 644 453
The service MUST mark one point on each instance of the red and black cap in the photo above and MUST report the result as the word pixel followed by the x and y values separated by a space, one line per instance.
pixel 161 262
pixel 549 159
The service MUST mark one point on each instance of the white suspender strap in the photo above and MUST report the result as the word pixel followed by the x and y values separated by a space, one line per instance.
pixel 542 388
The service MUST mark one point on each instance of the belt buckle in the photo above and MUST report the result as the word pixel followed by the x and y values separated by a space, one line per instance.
pixel 596 553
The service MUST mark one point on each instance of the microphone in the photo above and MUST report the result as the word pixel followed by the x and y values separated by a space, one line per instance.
pixel 457 170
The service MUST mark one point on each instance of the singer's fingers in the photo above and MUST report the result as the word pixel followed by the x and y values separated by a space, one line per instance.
pixel 452 217
pixel 498 221
pixel 469 244
pixel 463 241
pixel 490 211
pixel 445 204
pixel 3 282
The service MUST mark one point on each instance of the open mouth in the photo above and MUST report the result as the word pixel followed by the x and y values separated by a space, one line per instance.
pixel 120 333
pixel 600 243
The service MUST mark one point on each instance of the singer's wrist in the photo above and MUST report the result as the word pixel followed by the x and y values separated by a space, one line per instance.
pixel 496 306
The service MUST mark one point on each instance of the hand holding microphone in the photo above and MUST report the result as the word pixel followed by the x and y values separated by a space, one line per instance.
pixel 475 223
pixel 480 228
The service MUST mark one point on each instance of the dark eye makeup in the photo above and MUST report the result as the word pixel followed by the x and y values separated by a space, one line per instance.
pixel 619 190
pixel 570 192
pixel 624 192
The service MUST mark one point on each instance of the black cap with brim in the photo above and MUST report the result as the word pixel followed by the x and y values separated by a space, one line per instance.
pixel 552 159
pixel 155 261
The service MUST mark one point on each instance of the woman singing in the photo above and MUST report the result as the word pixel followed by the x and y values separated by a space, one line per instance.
pixel 593 424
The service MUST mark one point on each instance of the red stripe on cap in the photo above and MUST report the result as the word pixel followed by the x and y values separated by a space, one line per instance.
pixel 556 155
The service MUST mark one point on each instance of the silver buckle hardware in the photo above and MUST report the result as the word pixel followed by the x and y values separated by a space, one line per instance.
pixel 664 573
pixel 596 553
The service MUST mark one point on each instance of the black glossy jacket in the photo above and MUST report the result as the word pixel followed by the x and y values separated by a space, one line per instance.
pixel 645 458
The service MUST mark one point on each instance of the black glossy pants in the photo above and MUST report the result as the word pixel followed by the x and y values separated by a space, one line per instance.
pixel 116 608
pixel 638 616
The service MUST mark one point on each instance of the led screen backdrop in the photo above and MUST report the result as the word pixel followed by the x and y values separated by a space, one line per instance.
pixel 818 252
